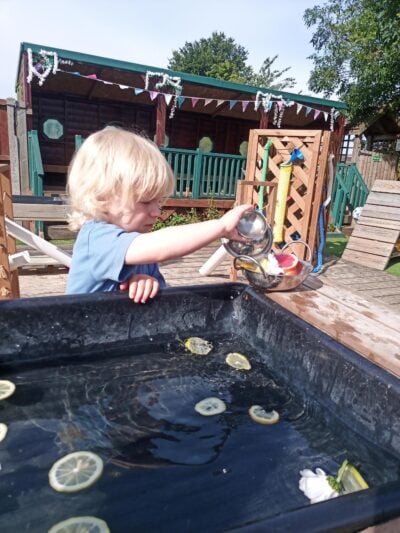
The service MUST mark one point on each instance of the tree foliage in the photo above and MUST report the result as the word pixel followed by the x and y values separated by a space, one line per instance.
pixel 222 58
pixel 357 54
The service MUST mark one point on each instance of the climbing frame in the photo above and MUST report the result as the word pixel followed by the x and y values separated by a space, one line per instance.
pixel 306 184
pixel 376 236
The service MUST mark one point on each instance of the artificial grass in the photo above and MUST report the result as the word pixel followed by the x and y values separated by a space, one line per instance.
pixel 336 245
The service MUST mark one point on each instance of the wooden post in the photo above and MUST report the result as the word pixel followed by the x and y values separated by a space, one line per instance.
pixel 263 119
pixel 160 120
pixel 9 286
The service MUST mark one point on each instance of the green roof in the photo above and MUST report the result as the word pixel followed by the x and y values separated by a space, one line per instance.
pixel 190 78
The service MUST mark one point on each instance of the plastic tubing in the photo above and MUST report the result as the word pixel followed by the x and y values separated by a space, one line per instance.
pixel 214 261
pixel 285 171
pixel 29 238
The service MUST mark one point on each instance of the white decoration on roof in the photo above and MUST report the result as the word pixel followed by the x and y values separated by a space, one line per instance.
pixel 48 62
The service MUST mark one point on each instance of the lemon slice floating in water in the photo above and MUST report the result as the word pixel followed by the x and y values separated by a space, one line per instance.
pixel 3 431
pixel 198 346
pixel 81 524
pixel 210 406
pixel 75 471
pixel 238 361
pixel 260 415
pixel 7 388
pixel 352 480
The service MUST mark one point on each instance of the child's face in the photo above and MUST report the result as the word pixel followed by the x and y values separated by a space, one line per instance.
pixel 141 217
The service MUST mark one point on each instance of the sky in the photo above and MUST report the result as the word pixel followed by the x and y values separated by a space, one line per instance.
pixel 146 32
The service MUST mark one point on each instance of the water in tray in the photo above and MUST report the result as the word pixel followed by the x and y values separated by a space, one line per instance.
pixel 166 467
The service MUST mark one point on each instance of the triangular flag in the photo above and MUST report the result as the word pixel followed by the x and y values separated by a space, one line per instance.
pixel 220 102
pixel 107 82
pixel 232 104
pixel 269 105
pixel 308 110
pixel 245 103
pixel 181 99
pixel 91 77
pixel 123 86
pixel 153 94
pixel 138 91
pixel 279 103
pixel 76 73
pixel 299 108
pixel 194 101
pixel 168 98
pixel 326 115
pixel 317 113
pixel 208 101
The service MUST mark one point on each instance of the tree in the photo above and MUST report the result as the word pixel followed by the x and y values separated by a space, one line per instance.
pixel 222 58
pixel 357 44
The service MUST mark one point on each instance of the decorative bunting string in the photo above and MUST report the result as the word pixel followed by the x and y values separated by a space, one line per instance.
pixel 49 63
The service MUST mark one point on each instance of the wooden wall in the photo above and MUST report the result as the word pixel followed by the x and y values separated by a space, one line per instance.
pixel 4 145
pixel 82 117
pixel 370 170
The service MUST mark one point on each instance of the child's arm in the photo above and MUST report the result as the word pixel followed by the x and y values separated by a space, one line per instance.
pixel 177 241
pixel 140 287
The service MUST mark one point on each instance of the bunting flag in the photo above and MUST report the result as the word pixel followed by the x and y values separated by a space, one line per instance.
pixel 268 101
pixel 168 98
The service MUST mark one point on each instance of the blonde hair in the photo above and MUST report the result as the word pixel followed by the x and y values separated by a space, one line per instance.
pixel 115 164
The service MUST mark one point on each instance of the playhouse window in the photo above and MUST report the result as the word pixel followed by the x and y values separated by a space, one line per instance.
pixel 53 129
pixel 206 144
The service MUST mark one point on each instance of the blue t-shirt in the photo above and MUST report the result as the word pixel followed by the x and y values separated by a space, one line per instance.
pixel 98 259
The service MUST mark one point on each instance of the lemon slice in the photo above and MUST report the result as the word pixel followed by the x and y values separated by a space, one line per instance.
pixel 3 431
pixel 80 524
pixel 7 388
pixel 238 361
pixel 352 480
pixel 198 346
pixel 210 406
pixel 260 415
pixel 75 471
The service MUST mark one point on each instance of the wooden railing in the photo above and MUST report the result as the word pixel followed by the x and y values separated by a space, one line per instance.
pixel 349 191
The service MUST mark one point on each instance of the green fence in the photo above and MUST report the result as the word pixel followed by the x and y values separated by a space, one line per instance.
pixel 349 191
pixel 201 174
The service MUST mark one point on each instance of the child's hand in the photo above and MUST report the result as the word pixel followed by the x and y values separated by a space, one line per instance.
pixel 141 287
pixel 231 219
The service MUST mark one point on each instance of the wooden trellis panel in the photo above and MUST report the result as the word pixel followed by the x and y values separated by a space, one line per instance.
pixel 306 184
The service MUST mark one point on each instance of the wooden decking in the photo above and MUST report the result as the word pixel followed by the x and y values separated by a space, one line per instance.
pixel 358 306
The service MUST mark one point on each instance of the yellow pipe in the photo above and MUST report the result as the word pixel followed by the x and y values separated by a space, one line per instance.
pixel 285 171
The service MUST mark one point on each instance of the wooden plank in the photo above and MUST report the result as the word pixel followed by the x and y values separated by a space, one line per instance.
pixel 345 297
pixel 370 246
pixel 56 169
pixel 378 234
pixel 383 198
pixel 369 260
pixel 356 330
pixel 386 186
pixel 44 212
pixel 380 223
pixel 384 212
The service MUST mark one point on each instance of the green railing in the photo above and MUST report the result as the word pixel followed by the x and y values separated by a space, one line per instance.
pixel 349 191
pixel 201 174
pixel 35 165
pixel 36 171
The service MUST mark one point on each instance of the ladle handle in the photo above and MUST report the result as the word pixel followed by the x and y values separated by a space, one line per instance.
pixel 248 259
pixel 309 252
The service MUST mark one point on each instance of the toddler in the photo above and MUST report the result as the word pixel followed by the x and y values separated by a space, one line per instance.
pixel 117 181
